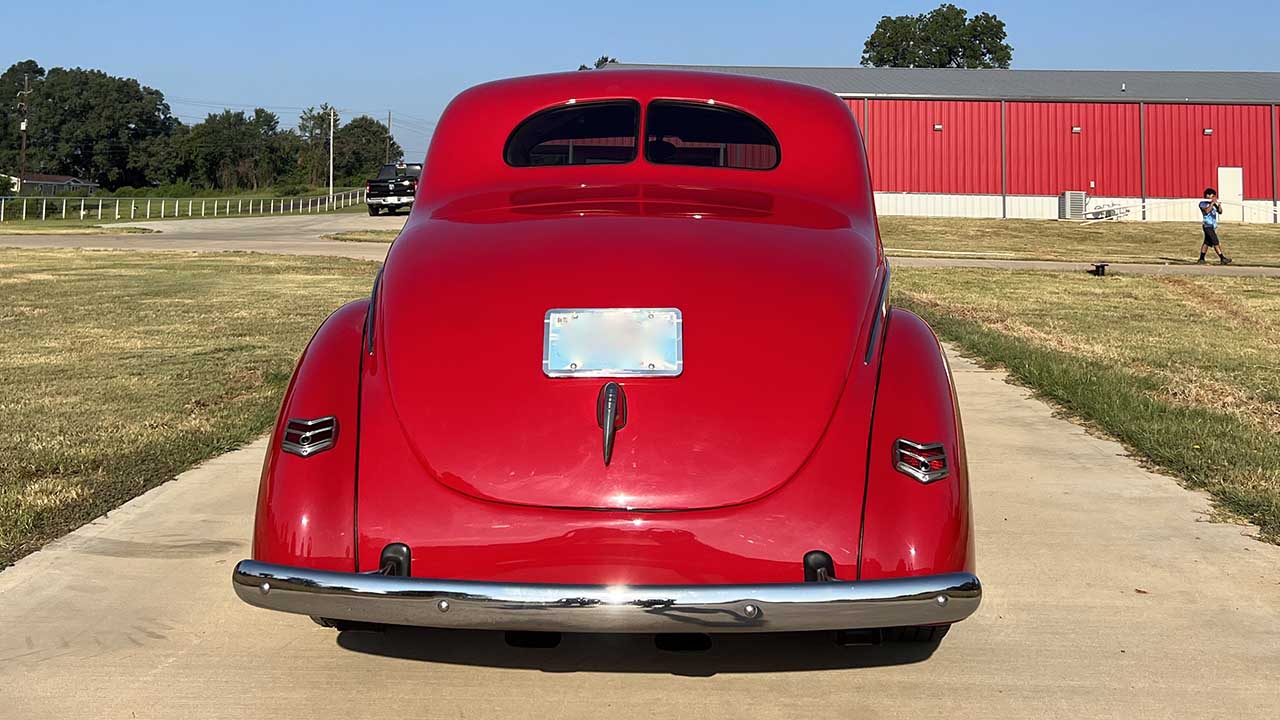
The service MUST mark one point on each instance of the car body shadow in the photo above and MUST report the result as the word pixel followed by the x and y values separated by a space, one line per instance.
pixel 728 653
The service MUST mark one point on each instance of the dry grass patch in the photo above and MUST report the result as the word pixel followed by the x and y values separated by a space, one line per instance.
pixel 1184 370
pixel 122 369
pixel 1155 242
pixel 375 236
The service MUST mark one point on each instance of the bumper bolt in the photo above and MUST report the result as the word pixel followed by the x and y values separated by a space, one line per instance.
pixel 264 588
pixel 443 606
pixel 751 611
pixel 942 600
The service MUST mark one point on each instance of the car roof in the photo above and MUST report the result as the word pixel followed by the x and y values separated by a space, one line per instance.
pixel 820 143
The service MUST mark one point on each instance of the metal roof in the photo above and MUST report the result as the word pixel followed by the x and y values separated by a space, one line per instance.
pixel 1109 85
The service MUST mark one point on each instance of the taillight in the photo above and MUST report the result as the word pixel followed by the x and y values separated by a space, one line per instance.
pixel 925 463
pixel 368 186
pixel 305 437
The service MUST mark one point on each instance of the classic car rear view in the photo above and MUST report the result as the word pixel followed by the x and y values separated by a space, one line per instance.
pixel 629 367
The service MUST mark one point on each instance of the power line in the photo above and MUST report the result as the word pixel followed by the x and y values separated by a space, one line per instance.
pixel 217 104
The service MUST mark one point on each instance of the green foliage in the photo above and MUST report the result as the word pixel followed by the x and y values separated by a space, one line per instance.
pixel 85 123
pixel 11 83
pixel 600 62
pixel 360 147
pixel 313 131
pixel 292 190
pixel 6 187
pixel 231 150
pixel 945 37
pixel 121 135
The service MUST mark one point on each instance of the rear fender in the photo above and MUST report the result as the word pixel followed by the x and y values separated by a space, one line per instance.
pixel 306 506
pixel 909 527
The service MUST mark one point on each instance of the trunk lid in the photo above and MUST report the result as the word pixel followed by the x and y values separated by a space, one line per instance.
pixel 773 307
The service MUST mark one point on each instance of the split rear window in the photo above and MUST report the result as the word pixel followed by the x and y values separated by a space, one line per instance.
pixel 676 133
pixel 598 133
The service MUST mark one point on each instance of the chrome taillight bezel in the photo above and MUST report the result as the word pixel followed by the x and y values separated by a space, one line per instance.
pixel 305 437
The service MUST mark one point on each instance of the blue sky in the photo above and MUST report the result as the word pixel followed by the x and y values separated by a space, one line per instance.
pixel 412 57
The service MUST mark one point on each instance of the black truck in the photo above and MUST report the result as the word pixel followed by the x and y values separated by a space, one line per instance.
pixel 394 188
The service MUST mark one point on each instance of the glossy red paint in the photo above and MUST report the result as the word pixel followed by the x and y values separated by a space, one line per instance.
pixel 306 510
pixel 1047 158
pixel 812 126
pixel 729 473
pixel 484 420
pixel 915 528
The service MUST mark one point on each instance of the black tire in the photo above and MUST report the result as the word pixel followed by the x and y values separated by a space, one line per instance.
pixel 925 634
pixel 373 210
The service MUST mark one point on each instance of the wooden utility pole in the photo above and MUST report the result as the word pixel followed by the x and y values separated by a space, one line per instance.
pixel 388 137
pixel 22 125
pixel 331 112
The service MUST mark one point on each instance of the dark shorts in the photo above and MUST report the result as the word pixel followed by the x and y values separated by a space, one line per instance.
pixel 1210 236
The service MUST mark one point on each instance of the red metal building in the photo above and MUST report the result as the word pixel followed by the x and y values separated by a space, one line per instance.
pixel 1008 143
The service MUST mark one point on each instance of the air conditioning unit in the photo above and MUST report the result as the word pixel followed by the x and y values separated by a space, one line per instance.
pixel 1071 205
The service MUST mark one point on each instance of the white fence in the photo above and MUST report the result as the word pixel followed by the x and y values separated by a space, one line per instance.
pixel 104 209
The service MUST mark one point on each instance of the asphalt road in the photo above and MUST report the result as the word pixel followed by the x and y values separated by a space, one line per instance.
pixel 1108 593
pixel 289 234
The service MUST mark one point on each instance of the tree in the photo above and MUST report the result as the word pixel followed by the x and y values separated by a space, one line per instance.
pixel 600 62
pixel 6 188
pixel 313 128
pixel 231 150
pixel 10 137
pixel 359 148
pixel 87 124
pixel 945 37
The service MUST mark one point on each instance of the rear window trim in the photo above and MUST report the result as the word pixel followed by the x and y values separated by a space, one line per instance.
pixel 397 166
pixel 635 131
pixel 719 106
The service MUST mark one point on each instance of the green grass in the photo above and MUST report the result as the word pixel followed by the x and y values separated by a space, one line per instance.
pixel 373 236
pixel 1185 371
pixel 1151 242
pixel 123 369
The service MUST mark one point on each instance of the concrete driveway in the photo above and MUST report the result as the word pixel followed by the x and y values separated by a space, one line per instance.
pixel 1108 594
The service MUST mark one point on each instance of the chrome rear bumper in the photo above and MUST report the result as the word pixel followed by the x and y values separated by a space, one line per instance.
pixel 927 600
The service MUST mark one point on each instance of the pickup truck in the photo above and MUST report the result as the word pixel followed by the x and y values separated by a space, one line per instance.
pixel 394 188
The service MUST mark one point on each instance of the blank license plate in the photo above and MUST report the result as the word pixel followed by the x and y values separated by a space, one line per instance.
pixel 613 342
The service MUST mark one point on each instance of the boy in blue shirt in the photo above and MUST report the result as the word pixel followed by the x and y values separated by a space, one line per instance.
pixel 1211 208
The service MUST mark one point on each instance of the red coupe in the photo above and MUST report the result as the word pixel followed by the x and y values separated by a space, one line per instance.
pixel 629 367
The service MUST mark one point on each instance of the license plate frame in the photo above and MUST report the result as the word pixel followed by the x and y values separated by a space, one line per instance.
pixel 613 342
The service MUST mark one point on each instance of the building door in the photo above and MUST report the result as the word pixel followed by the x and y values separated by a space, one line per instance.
pixel 1231 192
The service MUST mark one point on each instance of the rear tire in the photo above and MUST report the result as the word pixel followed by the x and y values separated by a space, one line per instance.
pixel 923 634
pixel 373 210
